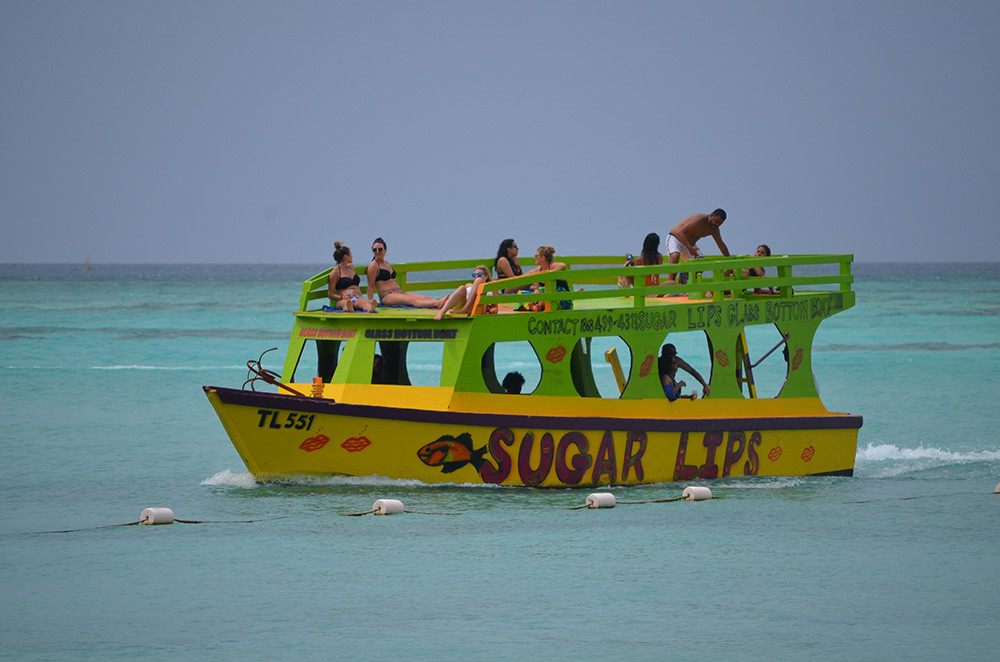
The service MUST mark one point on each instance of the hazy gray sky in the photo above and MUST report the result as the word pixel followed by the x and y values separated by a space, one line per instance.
pixel 250 131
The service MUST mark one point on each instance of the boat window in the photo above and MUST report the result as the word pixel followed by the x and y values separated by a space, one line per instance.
pixel 696 350
pixel 411 363
pixel 506 357
pixel 770 373
pixel 327 355
pixel 609 355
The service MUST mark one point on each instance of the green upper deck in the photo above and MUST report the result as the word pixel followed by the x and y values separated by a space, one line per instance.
pixel 718 301
pixel 721 277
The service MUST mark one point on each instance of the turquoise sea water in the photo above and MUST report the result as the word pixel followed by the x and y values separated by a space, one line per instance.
pixel 103 415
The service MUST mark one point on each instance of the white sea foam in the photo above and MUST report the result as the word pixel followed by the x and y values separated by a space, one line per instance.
pixel 227 478
pixel 890 452
pixel 759 482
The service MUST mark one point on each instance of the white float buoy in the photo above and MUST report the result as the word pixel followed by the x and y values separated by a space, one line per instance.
pixel 696 493
pixel 601 500
pixel 387 507
pixel 156 516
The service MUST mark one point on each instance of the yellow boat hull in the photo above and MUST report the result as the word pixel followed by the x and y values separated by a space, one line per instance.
pixel 283 436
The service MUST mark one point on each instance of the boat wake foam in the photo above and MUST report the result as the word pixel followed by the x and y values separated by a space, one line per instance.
pixel 889 460
pixel 887 452
pixel 246 480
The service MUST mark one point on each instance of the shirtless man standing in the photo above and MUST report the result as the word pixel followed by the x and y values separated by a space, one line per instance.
pixel 685 235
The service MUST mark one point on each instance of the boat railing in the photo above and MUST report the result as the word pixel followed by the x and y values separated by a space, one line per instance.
pixel 595 277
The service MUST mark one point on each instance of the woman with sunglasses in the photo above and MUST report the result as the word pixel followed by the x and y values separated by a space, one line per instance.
pixel 506 263
pixel 544 262
pixel 383 277
pixel 465 295
pixel 345 284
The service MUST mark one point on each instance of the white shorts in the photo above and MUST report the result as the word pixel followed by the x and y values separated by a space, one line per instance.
pixel 674 245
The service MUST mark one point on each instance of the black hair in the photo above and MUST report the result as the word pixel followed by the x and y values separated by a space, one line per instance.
pixel 513 382
pixel 767 249
pixel 651 249
pixel 721 213
pixel 380 240
pixel 502 251
pixel 667 355
pixel 340 251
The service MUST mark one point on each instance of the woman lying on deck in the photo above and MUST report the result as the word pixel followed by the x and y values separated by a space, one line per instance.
pixel 383 276
pixel 465 295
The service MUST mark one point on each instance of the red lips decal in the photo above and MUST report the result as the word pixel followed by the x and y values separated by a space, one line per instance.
pixel 314 443
pixel 797 359
pixel 774 454
pixel 647 365
pixel 355 444
pixel 722 358
pixel 808 453
pixel 556 354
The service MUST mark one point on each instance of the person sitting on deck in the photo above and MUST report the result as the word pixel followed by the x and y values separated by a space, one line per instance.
pixel 383 276
pixel 650 255
pixel 465 295
pixel 667 366
pixel 506 263
pixel 544 262
pixel 345 284
pixel 762 251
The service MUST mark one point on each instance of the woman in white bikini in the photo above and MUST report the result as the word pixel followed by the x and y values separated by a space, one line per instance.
pixel 465 295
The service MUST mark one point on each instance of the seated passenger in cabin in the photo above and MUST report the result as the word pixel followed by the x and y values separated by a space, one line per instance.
pixel 383 276
pixel 667 365
pixel 650 255
pixel 506 263
pixel 464 297
pixel 762 251
pixel 512 383
pixel 345 284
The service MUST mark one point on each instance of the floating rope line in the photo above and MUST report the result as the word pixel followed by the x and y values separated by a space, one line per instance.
pixel 391 507
pixel 607 499
pixel 89 528
pixel 587 505
pixel 911 498
pixel 156 516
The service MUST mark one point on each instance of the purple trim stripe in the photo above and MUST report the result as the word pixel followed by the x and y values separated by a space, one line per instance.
pixel 468 419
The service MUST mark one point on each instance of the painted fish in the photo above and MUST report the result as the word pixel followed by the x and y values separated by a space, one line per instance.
pixel 451 453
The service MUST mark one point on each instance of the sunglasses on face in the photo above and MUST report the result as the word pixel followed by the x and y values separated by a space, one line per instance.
pixel 478 274
pixel 377 249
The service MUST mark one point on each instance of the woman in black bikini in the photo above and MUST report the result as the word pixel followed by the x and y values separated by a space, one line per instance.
pixel 345 284
pixel 650 255
pixel 383 276
pixel 506 264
